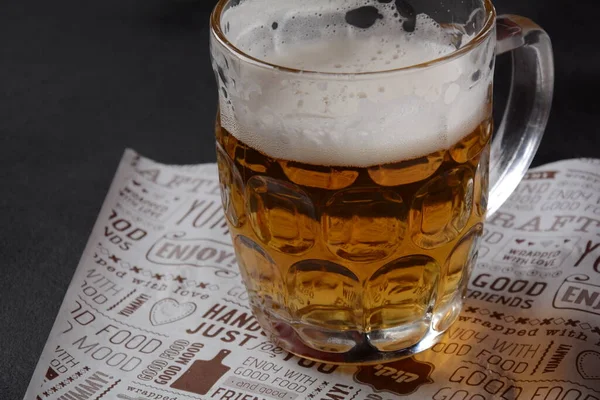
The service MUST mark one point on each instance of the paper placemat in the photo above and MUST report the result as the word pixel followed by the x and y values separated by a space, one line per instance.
pixel 157 309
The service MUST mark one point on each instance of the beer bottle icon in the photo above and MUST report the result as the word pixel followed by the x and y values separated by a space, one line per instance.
pixel 203 374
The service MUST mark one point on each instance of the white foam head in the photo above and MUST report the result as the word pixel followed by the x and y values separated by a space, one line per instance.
pixel 345 119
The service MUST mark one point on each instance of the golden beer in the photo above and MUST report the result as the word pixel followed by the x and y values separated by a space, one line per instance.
pixel 337 259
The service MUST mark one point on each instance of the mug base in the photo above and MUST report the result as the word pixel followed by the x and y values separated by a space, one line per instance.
pixel 352 347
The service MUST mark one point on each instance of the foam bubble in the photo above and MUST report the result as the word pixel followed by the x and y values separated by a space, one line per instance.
pixel 343 120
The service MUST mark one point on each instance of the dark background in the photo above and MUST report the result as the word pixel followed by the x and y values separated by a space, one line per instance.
pixel 82 80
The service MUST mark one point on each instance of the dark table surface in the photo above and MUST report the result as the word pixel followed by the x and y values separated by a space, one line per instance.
pixel 82 80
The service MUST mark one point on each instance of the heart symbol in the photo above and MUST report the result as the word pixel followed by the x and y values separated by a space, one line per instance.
pixel 587 364
pixel 167 311
pixel 520 241
pixel 547 243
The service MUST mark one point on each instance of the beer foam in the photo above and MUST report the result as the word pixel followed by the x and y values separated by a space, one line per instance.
pixel 337 118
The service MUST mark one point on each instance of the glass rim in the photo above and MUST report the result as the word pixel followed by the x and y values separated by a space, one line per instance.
pixel 481 36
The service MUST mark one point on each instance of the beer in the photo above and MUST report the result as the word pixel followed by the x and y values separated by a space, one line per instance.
pixel 356 250
pixel 355 204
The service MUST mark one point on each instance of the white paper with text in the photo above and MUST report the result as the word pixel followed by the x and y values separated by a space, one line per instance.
pixel 157 309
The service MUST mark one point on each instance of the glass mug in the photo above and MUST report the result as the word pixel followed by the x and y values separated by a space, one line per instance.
pixel 354 150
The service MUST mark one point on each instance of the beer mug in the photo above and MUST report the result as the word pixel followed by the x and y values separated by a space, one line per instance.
pixel 357 165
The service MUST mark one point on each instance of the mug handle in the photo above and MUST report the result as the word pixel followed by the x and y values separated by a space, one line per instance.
pixel 528 109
